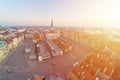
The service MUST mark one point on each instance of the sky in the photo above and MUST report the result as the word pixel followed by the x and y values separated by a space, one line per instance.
pixel 63 12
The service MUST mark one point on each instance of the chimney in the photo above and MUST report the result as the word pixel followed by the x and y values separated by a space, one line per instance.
pixel 76 64
pixel 82 67
pixel 98 70
pixel 82 73
pixel 87 65
pixel 91 61
pixel 97 78
pixel 105 69
pixel 83 77
pixel 112 72
pixel 98 55
pixel 78 73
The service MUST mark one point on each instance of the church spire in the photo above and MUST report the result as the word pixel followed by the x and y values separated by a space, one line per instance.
pixel 52 28
pixel 51 23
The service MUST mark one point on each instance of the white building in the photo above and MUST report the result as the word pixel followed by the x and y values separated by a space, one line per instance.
pixel 52 34
pixel 55 35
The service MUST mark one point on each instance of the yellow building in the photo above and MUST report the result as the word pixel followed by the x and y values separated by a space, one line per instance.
pixel 15 42
pixel 9 42
pixel 3 49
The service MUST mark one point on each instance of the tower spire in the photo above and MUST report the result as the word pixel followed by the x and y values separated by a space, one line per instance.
pixel 51 23
pixel 52 28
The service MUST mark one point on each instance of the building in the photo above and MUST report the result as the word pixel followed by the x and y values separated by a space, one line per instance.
pixel 9 42
pixel 15 41
pixel 1 37
pixel 3 49
pixel 79 73
pixel 20 37
pixel 52 33
pixel 29 33
pixel 112 45
pixel 94 66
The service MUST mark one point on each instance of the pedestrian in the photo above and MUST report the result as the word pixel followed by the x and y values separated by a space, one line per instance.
pixel 54 62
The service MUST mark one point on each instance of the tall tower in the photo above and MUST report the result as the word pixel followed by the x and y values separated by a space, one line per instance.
pixel 52 28
pixel 51 23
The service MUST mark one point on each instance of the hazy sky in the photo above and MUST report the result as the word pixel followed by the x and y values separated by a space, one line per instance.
pixel 64 12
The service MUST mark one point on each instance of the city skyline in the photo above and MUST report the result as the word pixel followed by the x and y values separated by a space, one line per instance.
pixel 64 12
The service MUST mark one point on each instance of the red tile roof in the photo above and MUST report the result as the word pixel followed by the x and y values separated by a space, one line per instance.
pixel 107 53
pixel 9 40
pixel 110 69
pixel 99 62
pixel 84 64
pixel 91 69
pixel 90 58
pixel 3 31
pixel 91 65
pixel 81 73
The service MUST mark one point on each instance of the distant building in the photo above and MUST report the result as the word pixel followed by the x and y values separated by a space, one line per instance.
pixel 55 35
pixel 113 45
pixel 52 28
pixel 52 33
pixel 29 33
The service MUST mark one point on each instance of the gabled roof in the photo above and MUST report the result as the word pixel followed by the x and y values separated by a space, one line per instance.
pixel 99 62
pixel 2 31
pixel 90 58
pixel 9 40
pixel 80 73
pixel 84 64
pixel 110 69
pixel 91 69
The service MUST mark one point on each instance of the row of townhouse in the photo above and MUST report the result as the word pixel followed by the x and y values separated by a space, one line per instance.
pixel 9 42
pixel 94 67
pixel 3 48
